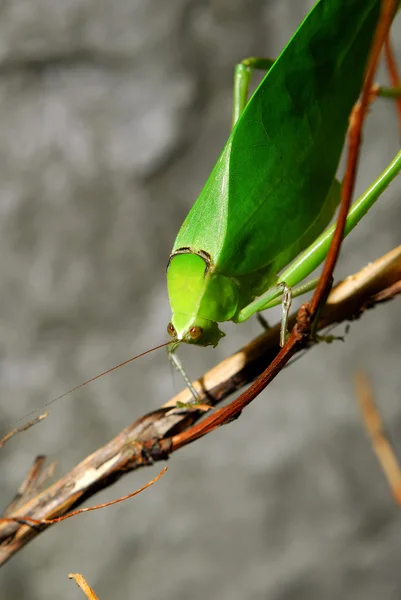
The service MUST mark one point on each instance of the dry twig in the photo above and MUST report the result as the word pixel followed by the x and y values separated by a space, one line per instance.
pixel 80 581
pixel 381 445
pixel 24 427
pixel 33 482
pixel 74 513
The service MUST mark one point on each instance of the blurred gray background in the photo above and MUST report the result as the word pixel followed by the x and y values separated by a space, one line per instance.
pixel 112 114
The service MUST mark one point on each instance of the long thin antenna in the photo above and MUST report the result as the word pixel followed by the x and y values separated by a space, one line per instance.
pixel 77 387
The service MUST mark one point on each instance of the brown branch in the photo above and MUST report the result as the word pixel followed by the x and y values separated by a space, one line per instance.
pixel 33 482
pixel 393 74
pixel 157 434
pixel 380 443
pixel 74 513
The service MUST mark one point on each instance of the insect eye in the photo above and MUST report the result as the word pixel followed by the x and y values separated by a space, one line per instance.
pixel 195 332
pixel 170 330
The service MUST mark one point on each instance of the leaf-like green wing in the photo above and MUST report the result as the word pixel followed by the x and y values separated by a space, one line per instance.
pixel 276 169
pixel 327 211
pixel 296 124
pixel 255 283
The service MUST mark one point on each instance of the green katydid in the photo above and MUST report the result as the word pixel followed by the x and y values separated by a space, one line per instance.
pixel 273 189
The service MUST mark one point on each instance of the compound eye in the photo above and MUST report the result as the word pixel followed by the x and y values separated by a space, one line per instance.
pixel 195 332
pixel 171 331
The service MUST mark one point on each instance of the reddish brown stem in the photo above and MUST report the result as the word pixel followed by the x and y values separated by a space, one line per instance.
pixel 308 312
pixel 357 118
pixel 393 74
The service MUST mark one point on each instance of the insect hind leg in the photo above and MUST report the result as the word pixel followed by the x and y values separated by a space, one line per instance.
pixel 242 77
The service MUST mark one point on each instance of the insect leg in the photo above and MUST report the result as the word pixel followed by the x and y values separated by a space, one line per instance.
pixel 285 311
pixel 176 362
pixel 280 293
pixel 388 92
pixel 242 76
pixel 259 304
pixel 273 297
pixel 297 291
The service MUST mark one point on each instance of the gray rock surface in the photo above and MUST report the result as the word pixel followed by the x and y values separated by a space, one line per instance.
pixel 111 116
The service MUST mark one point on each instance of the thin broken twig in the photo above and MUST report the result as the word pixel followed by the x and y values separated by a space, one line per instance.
pixel 380 443
pixel 81 582
pixel 30 521
pixel 24 427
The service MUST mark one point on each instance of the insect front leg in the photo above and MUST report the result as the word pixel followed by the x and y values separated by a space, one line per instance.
pixel 242 76
pixel 176 362
pixel 285 311
pixel 280 293
pixel 286 302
